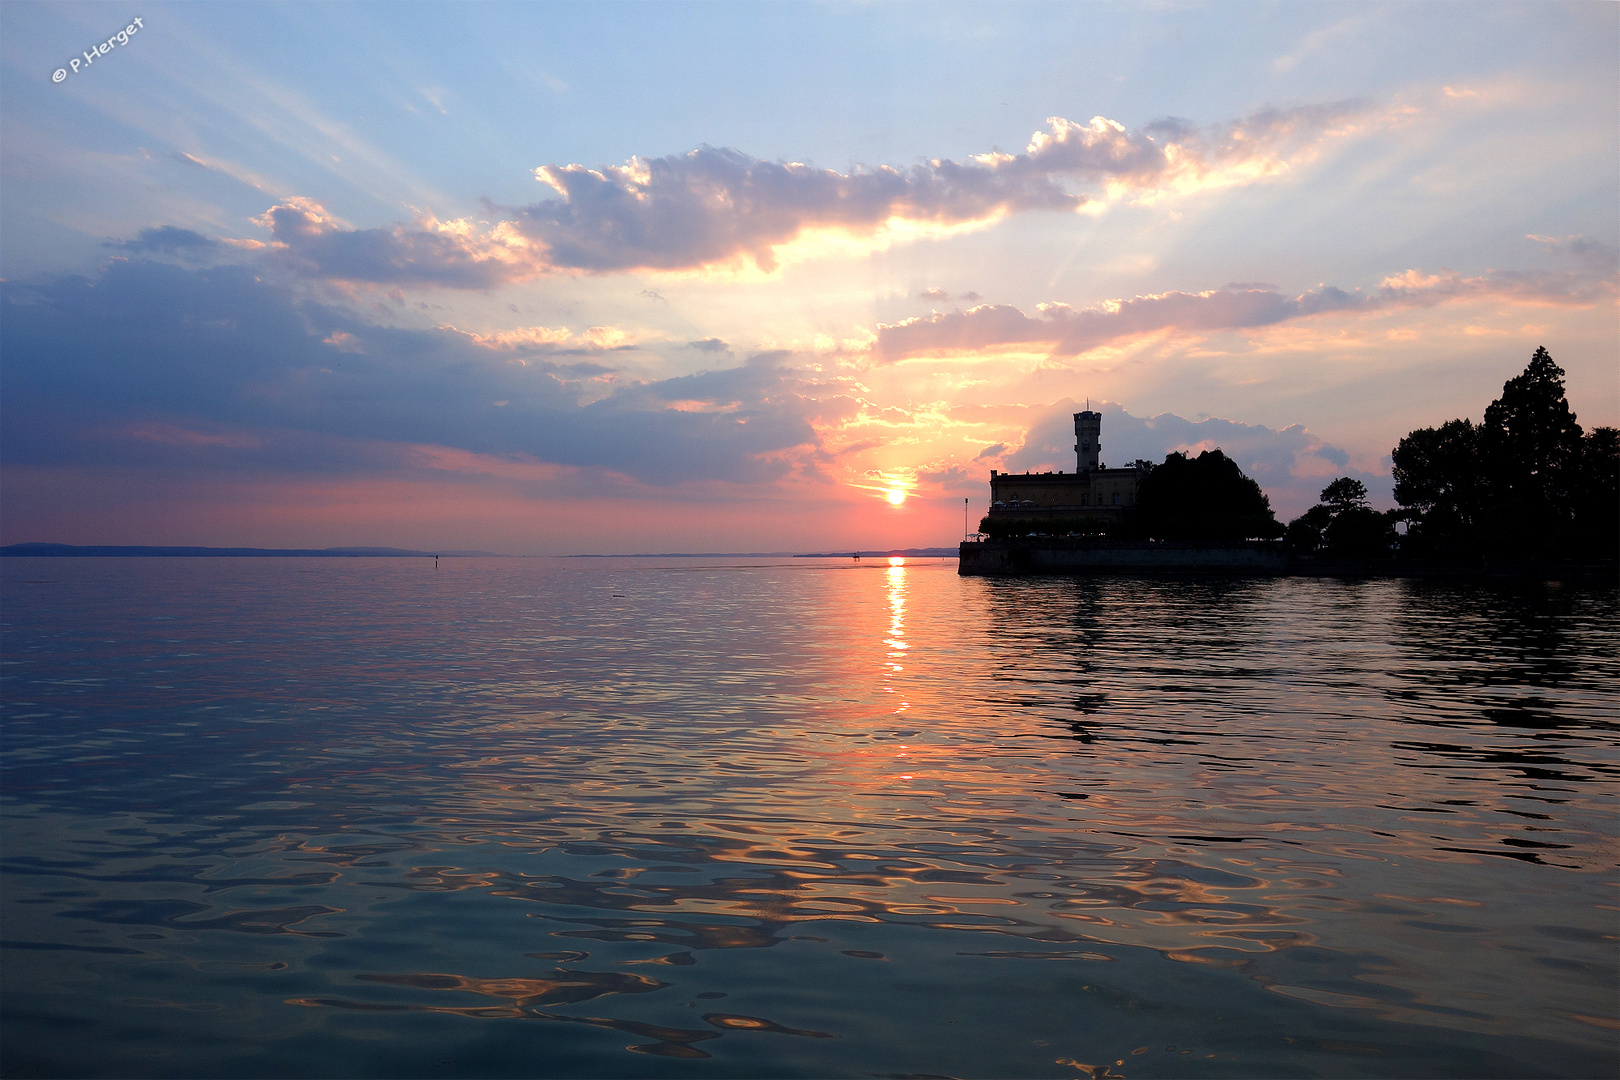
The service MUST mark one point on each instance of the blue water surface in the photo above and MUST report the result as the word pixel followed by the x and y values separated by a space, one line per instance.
pixel 796 817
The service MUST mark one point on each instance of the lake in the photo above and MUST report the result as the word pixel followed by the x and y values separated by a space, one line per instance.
pixel 801 817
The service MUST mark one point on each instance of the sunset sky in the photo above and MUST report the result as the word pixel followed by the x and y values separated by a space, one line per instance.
pixel 559 278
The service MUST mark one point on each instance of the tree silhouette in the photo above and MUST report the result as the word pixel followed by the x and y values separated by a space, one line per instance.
pixel 1524 484
pixel 1345 493
pixel 1441 489
pixel 1203 498
pixel 1342 525
pixel 1597 495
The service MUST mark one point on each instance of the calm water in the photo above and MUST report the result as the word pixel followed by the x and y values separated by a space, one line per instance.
pixel 538 817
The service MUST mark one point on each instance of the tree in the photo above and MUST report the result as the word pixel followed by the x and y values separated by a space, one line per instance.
pixel 1523 484
pixel 1203 498
pixel 1304 533
pixel 1342 525
pixel 1597 496
pixel 1531 432
pixel 1440 489
pixel 1344 493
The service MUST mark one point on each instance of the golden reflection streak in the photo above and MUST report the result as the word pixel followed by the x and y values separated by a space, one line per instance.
pixel 896 639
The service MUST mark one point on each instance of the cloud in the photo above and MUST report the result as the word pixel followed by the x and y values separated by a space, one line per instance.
pixel 933 294
pixel 242 176
pixel 178 436
pixel 714 205
pixel 531 340
pixel 166 238
pixel 1315 40
pixel 1069 331
pixel 1585 250
pixel 217 362
pixel 1579 287
pixel 712 344
pixel 453 254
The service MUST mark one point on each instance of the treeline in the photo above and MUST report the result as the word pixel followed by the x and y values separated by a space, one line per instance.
pixel 1524 485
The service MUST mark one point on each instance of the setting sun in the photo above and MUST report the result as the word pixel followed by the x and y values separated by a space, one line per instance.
pixel 896 496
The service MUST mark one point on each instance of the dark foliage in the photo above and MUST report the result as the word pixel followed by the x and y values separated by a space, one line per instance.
pixel 1342 525
pixel 1525 484
pixel 1304 535
pixel 1344 494
pixel 1359 532
pixel 1204 498
pixel 1441 489
pixel 999 528
pixel 1596 496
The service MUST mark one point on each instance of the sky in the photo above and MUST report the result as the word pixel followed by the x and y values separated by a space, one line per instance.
pixel 614 278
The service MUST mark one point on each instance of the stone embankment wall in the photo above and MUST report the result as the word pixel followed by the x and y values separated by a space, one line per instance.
pixel 1082 556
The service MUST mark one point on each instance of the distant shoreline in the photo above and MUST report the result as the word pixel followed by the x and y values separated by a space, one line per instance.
pixel 893 553
pixel 906 553
pixel 689 555
pixel 136 550
pixel 159 551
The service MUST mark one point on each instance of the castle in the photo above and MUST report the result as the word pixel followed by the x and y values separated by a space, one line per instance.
pixel 1092 491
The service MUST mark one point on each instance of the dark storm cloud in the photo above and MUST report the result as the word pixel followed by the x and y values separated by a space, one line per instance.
pixel 157 359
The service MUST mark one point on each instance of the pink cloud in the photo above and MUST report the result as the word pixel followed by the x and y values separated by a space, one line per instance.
pixel 1068 331
pixel 454 254
pixel 715 206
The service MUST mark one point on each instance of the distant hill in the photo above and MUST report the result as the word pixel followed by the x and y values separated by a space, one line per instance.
pixel 103 550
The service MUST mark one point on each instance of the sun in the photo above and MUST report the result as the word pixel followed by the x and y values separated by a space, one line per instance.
pixel 896 496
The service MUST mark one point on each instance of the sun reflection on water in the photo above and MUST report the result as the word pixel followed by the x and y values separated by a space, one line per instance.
pixel 896 639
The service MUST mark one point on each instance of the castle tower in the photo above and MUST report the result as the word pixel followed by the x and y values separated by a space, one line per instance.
pixel 1087 438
